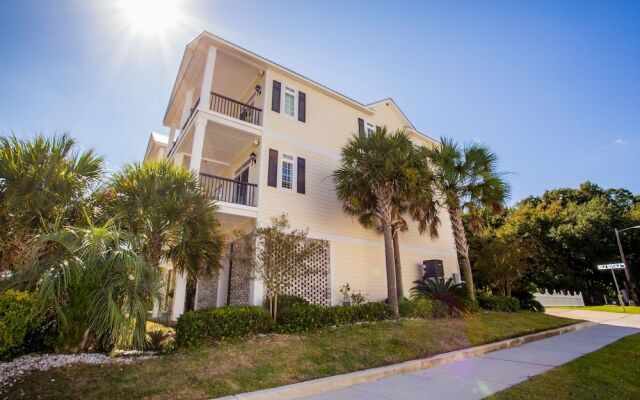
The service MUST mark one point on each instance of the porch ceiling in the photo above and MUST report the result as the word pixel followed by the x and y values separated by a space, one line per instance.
pixel 232 77
pixel 222 145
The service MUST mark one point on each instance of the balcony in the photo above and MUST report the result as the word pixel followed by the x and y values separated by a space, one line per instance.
pixel 228 190
pixel 235 109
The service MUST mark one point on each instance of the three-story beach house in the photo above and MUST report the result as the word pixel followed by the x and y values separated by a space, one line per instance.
pixel 265 141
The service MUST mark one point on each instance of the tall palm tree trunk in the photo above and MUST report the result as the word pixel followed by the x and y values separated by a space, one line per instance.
pixel 455 215
pixel 384 207
pixel 398 266
pixel 392 293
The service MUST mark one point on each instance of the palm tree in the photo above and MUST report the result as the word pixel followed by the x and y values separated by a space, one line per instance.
pixel 379 173
pixel 44 183
pixel 96 285
pixel 469 182
pixel 162 205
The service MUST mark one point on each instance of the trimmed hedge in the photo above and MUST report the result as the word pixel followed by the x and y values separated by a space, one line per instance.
pixel 499 303
pixel 306 318
pixel 16 319
pixel 195 328
pixel 426 308
pixel 285 301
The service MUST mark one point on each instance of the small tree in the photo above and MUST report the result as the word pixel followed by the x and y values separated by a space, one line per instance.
pixel 277 255
pixel 502 261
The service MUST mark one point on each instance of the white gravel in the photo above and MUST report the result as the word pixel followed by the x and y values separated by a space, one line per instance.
pixel 12 370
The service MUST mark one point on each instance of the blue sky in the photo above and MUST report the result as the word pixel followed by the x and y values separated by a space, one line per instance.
pixel 552 87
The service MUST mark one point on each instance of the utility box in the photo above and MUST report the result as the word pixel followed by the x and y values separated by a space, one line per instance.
pixel 433 269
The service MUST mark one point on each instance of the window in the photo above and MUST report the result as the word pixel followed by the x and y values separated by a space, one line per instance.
pixel 287 172
pixel 289 101
pixel 370 128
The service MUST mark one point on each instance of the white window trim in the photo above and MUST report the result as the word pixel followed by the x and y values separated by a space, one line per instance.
pixel 295 101
pixel 368 124
pixel 294 172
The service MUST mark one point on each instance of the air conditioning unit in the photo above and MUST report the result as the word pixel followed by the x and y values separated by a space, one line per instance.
pixel 433 269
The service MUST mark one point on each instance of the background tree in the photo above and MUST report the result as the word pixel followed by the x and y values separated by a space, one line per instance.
pixel 570 231
pixel 469 182
pixel 277 255
pixel 501 261
pixel 380 178
pixel 161 205
pixel 44 183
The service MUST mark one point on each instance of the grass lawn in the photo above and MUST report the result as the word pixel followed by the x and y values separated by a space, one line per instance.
pixel 275 360
pixel 609 373
pixel 616 309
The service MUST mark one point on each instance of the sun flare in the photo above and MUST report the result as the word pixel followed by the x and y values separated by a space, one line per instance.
pixel 151 16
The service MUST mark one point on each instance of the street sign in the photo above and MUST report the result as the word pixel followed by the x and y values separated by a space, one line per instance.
pixel 604 267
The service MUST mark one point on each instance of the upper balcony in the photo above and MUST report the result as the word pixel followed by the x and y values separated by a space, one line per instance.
pixel 228 107
pixel 219 83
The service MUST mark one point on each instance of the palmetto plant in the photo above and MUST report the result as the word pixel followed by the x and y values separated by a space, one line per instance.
pixel 433 287
pixel 382 177
pixel 468 180
pixel 100 261
pixel 44 183
pixel 161 205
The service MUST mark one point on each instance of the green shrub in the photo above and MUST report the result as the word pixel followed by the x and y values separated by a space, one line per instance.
pixel 405 307
pixel 195 328
pixel 342 315
pixel 285 301
pixel 306 318
pixel 426 308
pixel 440 309
pixel 160 337
pixel 528 301
pixel 499 303
pixel 373 311
pixel 16 319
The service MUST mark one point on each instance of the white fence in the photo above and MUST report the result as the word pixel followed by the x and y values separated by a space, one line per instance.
pixel 559 298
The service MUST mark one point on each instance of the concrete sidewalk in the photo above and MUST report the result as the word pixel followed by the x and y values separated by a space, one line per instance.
pixel 600 317
pixel 477 377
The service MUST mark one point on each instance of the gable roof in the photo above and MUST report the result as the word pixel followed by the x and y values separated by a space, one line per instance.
pixel 390 101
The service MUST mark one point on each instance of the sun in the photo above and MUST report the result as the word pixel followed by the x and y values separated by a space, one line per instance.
pixel 151 16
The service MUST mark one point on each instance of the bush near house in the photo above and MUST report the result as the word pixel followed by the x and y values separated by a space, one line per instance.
pixel 198 327
pixel 306 318
pixel 499 303
pixel 285 301
pixel 16 319
pixel 426 308
pixel 528 301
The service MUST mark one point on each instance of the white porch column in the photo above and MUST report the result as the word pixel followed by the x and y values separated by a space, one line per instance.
pixel 198 144
pixel 179 293
pixel 172 138
pixel 207 78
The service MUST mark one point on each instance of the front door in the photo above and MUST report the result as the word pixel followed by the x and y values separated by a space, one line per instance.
pixel 241 191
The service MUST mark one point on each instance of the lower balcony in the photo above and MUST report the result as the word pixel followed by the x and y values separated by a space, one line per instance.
pixel 229 190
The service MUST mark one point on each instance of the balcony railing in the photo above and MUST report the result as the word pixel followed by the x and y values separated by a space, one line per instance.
pixel 235 109
pixel 193 109
pixel 229 190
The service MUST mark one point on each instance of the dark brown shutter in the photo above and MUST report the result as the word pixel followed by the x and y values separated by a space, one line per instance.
pixel 301 175
pixel 272 176
pixel 302 107
pixel 275 97
pixel 361 127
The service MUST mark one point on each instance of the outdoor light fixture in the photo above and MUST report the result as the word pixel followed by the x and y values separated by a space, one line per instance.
pixel 258 90
pixel 253 158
